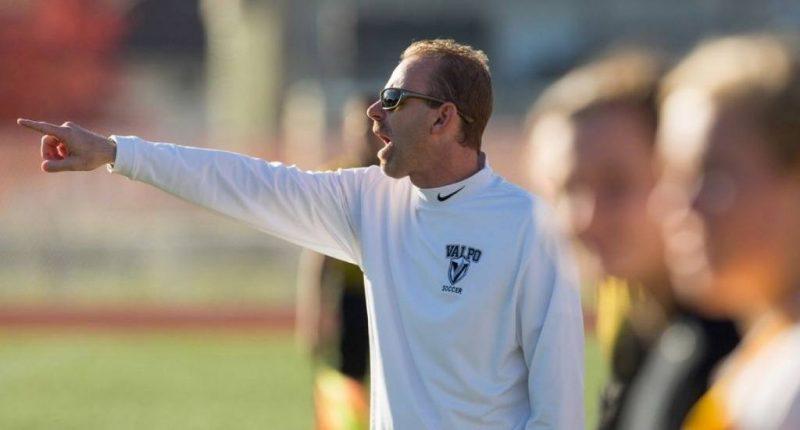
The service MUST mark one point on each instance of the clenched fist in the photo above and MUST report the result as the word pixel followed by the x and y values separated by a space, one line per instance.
pixel 70 147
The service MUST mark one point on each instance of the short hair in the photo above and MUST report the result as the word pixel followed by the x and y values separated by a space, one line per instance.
pixel 625 77
pixel 462 76
pixel 759 73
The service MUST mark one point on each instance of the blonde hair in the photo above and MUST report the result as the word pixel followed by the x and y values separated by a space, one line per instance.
pixel 462 77
pixel 757 73
pixel 623 77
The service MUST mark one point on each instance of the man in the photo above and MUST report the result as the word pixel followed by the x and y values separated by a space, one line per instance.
pixel 729 200
pixel 593 140
pixel 475 319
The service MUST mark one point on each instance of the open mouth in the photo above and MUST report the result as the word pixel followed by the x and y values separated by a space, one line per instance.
pixel 385 152
pixel 382 136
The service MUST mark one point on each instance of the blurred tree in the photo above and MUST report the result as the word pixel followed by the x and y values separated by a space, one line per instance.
pixel 244 69
pixel 58 58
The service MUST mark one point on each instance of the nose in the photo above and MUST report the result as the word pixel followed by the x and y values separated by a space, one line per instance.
pixel 669 205
pixel 714 195
pixel 698 200
pixel 587 224
pixel 375 112
pixel 583 215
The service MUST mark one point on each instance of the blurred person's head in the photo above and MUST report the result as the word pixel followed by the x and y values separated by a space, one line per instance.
pixel 422 134
pixel 359 141
pixel 592 140
pixel 731 187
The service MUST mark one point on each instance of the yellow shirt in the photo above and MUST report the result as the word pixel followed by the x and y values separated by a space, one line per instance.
pixel 614 298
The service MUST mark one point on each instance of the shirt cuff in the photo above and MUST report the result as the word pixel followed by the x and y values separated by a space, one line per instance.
pixel 126 155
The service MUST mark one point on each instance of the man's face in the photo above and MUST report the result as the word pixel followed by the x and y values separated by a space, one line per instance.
pixel 405 131
pixel 605 190
pixel 598 169
pixel 734 230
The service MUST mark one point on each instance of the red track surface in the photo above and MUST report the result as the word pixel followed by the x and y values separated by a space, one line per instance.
pixel 138 317
pixel 152 318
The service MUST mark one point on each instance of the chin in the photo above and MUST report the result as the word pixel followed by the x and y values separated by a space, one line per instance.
pixel 614 266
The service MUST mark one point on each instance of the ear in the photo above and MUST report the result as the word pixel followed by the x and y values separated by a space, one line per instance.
pixel 445 118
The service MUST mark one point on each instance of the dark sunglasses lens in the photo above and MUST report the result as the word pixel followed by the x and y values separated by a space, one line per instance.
pixel 390 98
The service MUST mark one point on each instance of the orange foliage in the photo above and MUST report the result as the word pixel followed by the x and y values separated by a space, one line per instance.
pixel 58 58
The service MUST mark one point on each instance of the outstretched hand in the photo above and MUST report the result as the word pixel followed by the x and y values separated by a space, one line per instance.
pixel 70 147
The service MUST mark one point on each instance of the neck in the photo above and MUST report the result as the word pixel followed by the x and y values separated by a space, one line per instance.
pixel 449 169
pixel 782 303
pixel 660 288
pixel 789 307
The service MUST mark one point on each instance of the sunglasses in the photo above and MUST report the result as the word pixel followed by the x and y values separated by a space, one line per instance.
pixel 392 98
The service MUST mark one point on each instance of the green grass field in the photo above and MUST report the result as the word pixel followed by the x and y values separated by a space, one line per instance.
pixel 174 380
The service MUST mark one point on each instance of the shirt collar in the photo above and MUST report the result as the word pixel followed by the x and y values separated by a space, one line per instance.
pixel 454 192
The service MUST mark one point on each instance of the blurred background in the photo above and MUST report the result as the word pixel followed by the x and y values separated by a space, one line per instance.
pixel 122 307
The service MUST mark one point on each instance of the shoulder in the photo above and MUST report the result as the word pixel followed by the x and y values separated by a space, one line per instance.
pixel 366 175
pixel 512 193
pixel 531 218
pixel 370 183
pixel 542 240
pixel 537 214
pixel 359 177
pixel 359 173
pixel 517 202
pixel 768 387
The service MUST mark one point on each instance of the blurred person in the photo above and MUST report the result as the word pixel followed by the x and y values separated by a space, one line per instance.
pixel 731 198
pixel 331 305
pixel 474 312
pixel 592 147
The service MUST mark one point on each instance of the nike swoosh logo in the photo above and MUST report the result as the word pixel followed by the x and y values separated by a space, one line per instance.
pixel 441 199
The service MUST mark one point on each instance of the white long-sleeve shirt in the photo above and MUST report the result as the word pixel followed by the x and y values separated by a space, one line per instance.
pixel 474 312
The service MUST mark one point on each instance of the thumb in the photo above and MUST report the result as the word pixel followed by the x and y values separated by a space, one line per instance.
pixel 67 164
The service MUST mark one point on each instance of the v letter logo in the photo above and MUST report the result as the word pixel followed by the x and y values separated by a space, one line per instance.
pixel 458 269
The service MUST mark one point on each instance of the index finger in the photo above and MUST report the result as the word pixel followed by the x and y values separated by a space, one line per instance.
pixel 42 127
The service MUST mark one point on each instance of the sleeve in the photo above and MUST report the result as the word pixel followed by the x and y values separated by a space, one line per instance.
pixel 792 419
pixel 316 210
pixel 550 326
